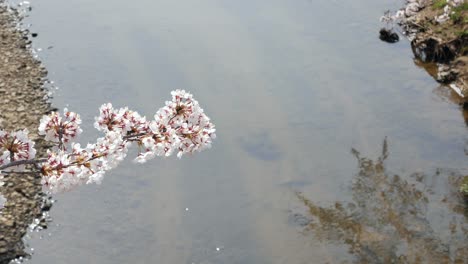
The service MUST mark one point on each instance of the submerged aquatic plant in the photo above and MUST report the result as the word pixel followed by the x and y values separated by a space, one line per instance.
pixel 181 127
pixel 388 220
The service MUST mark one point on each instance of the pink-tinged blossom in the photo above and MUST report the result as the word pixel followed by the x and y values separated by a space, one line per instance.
pixel 134 123
pixel 162 143
pixel 56 174
pixel 5 158
pixel 109 119
pixel 121 120
pixel 147 151
pixel 16 146
pixel 56 128
pixel 63 171
pixel 192 125
pixel 194 137
pixel 180 126
pixel 112 149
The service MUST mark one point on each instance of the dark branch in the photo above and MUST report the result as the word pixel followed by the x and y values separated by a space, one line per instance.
pixel 22 162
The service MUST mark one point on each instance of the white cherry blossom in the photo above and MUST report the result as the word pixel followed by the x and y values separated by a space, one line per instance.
pixel 56 128
pixel 15 146
pixel 180 126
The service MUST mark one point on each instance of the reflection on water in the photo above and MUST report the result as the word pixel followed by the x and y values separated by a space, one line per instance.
pixel 394 220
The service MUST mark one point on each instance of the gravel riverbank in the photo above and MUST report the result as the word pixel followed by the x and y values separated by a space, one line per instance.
pixel 23 100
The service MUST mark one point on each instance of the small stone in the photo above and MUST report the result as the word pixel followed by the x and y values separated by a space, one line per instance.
pixel 9 222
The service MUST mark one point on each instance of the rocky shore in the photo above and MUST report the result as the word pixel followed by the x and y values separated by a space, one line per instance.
pixel 438 30
pixel 23 101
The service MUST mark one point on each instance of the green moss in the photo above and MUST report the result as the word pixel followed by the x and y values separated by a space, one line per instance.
pixel 459 14
pixel 456 17
pixel 462 7
pixel 439 4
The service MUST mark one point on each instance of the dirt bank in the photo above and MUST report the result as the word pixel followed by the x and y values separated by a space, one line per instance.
pixel 22 103
pixel 438 31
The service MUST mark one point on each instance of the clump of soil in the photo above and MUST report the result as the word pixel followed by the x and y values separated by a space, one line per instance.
pixel 444 43
pixel 23 100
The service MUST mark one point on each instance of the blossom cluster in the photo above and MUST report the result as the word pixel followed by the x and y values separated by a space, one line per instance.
pixel 15 146
pixel 64 170
pixel 56 128
pixel 181 127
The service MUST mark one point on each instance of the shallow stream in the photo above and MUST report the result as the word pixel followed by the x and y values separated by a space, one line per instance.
pixel 333 147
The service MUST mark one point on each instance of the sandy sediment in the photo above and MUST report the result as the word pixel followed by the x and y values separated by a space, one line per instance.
pixel 23 100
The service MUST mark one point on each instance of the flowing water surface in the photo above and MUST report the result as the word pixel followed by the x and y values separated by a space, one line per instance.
pixel 333 147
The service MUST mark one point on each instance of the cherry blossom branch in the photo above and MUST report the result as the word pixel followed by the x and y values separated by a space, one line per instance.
pixel 181 127
pixel 21 172
pixel 22 162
